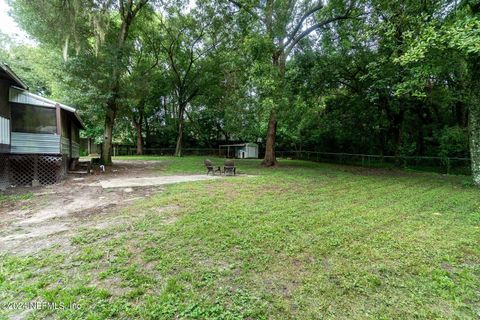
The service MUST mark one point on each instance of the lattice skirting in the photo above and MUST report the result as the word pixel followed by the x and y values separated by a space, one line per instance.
pixel 46 169
pixel 4 179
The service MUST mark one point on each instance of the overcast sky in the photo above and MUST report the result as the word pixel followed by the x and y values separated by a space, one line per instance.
pixel 8 25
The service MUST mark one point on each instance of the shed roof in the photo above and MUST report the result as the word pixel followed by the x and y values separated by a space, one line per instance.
pixel 238 145
pixel 19 95
pixel 233 145
pixel 7 74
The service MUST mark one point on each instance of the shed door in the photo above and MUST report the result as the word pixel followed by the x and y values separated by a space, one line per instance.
pixel 251 152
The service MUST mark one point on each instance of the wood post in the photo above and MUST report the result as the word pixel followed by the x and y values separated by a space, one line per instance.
pixel 58 115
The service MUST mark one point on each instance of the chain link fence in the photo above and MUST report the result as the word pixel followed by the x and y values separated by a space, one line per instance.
pixel 125 150
pixel 446 165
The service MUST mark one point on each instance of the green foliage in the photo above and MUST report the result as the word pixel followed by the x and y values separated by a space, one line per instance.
pixel 397 78
pixel 453 142
pixel 15 198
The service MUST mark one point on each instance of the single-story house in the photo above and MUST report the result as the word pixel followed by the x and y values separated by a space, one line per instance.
pixel 39 138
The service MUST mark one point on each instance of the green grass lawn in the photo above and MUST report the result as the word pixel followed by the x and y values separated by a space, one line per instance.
pixel 301 241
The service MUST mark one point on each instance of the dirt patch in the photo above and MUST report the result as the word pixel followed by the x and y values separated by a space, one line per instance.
pixel 55 213
pixel 151 181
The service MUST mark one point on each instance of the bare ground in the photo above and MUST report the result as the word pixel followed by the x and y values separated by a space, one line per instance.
pixel 55 213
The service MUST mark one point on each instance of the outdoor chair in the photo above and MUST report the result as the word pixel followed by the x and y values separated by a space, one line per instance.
pixel 211 168
pixel 229 167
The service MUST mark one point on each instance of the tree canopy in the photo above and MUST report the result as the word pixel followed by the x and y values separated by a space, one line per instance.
pixel 361 76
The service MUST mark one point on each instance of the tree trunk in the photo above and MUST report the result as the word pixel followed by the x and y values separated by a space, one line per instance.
pixel 178 148
pixel 107 136
pixel 138 124
pixel 146 142
pixel 474 130
pixel 397 138
pixel 112 105
pixel 474 134
pixel 474 112
pixel 65 48
pixel 270 160
pixel 138 127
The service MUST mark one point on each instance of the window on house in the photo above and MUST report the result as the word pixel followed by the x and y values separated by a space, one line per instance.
pixel 33 119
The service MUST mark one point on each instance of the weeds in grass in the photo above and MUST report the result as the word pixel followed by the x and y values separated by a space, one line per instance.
pixel 15 197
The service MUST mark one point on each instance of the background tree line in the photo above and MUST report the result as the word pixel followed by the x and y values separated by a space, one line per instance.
pixel 361 76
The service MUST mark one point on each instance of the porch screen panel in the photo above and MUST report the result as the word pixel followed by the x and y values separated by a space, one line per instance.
pixel 33 119
pixel 4 130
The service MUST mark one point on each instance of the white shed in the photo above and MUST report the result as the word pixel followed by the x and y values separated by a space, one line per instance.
pixel 241 150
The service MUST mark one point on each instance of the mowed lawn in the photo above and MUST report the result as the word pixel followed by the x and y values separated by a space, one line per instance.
pixel 301 241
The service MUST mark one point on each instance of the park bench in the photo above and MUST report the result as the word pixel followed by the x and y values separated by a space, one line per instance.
pixel 211 168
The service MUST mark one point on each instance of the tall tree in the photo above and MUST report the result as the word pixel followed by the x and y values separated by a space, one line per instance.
pixel 455 28
pixel 128 10
pixel 285 24
pixel 99 28
pixel 189 40
pixel 142 82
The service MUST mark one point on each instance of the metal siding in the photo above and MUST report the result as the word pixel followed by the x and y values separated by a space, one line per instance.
pixel 251 150
pixel 250 153
pixel 4 131
pixel 75 150
pixel 35 143
pixel 65 146
pixel 20 96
